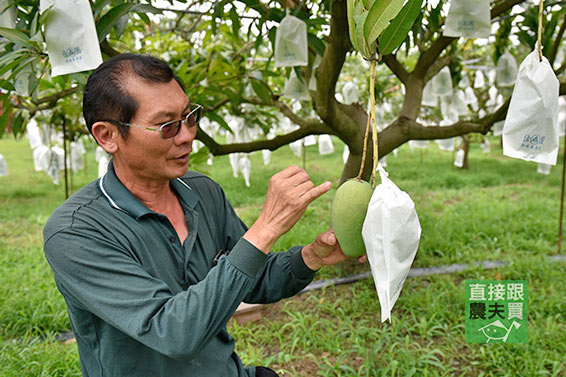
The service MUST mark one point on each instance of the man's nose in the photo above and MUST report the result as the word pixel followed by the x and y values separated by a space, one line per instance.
pixel 186 133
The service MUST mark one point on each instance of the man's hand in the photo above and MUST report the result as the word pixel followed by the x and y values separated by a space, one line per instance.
pixel 324 251
pixel 288 195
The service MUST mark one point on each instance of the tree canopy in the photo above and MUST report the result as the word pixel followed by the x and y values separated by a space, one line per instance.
pixel 223 51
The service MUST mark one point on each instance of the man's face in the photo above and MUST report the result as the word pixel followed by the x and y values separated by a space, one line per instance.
pixel 144 154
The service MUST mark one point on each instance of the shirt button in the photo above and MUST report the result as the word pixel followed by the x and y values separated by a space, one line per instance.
pixel 172 239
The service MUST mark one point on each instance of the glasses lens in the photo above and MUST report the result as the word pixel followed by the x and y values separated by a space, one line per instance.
pixel 170 129
pixel 194 117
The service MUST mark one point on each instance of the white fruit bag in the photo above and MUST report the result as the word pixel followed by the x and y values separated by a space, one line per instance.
pixel 41 157
pixel 446 144
pixel 235 163
pixel 531 127
pixel 33 134
pixel 56 163
pixel 459 160
pixel 245 166
pixel 391 234
pixel 350 93
pixel 266 154
pixel 345 153
pixel 76 152
pixel 429 98
pixel 103 165
pixel 295 88
pixel 506 70
pixel 442 83
pixel 449 109
pixel 562 116
pixel 291 47
pixel 3 166
pixel 297 147
pixel 479 80
pixel 418 144
pixel 497 128
pixel 309 140
pixel 468 18
pixel 543 168
pixel 72 42
pixel 485 146
pixel 325 145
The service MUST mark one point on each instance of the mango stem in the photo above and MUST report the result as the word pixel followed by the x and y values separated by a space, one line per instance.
pixel 373 121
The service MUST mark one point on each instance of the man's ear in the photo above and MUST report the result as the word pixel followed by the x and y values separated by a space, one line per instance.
pixel 106 134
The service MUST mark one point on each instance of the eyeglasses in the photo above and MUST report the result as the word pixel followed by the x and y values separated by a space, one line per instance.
pixel 171 128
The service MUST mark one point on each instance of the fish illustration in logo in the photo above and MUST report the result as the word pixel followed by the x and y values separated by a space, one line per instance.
pixel 497 330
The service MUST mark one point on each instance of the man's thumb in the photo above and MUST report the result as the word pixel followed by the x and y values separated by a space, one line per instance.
pixel 330 238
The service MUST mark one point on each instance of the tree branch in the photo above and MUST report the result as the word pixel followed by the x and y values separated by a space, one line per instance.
pixel 428 57
pixel 44 103
pixel 396 67
pixel 52 99
pixel 285 110
pixel 107 49
pixel 222 149
pixel 404 129
pixel 331 64
pixel 217 105
pixel 557 41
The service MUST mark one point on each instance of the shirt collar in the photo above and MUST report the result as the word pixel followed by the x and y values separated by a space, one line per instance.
pixel 122 199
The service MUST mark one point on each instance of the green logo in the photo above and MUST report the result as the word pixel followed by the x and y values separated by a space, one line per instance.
pixel 496 311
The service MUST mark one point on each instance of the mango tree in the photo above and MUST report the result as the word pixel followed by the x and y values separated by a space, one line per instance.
pixel 223 50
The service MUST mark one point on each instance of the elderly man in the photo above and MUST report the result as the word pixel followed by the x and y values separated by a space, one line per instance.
pixel 151 258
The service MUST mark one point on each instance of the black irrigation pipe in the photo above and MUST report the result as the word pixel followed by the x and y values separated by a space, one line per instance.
pixel 445 269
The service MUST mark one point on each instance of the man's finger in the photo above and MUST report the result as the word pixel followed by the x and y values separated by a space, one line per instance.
pixel 289 172
pixel 330 238
pixel 325 244
pixel 317 191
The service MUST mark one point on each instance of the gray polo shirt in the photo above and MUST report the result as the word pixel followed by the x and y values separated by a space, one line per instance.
pixel 141 303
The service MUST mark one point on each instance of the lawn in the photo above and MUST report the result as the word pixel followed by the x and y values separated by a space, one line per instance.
pixel 498 210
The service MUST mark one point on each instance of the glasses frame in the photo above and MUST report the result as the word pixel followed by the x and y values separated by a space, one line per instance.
pixel 197 112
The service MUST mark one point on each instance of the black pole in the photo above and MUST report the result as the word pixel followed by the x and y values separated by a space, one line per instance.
pixel 65 158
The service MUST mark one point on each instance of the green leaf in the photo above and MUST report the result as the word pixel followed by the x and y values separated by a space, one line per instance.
pixel 34 27
pixel 14 36
pixel 398 29
pixel 351 8
pixel 235 18
pixel 9 57
pixel 363 46
pixel 316 43
pixel 145 8
pixel 120 25
pixel 367 4
pixel 98 6
pixel 111 17
pixel 8 86
pixel 144 18
pixel 18 124
pixel 218 119
pixel 260 88
pixel 6 113
pixel 19 62
pixel 379 15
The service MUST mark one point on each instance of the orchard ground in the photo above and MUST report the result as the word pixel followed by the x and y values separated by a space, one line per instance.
pixel 499 209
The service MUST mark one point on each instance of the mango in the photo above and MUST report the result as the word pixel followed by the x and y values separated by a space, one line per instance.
pixel 348 213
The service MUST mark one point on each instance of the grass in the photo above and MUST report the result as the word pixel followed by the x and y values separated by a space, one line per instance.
pixel 499 209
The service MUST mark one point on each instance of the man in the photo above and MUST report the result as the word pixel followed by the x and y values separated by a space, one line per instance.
pixel 151 259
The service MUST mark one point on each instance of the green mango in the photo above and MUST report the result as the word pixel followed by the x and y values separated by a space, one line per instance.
pixel 347 215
